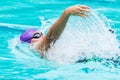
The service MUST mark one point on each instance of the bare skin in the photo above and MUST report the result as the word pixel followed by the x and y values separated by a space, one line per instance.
pixel 43 43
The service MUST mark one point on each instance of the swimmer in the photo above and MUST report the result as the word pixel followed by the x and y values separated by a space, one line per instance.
pixel 41 43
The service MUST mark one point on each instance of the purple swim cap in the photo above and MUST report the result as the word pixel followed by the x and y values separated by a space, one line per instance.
pixel 26 36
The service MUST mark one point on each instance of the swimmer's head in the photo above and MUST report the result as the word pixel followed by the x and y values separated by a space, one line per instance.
pixel 30 34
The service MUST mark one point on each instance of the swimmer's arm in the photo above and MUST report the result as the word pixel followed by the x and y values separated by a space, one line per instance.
pixel 58 27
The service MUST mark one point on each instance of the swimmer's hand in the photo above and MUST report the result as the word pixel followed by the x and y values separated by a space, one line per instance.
pixel 80 10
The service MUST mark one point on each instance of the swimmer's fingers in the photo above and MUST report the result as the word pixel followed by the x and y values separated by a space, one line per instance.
pixel 84 9
pixel 83 15
pixel 84 6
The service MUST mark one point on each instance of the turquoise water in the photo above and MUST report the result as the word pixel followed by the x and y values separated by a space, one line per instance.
pixel 15 16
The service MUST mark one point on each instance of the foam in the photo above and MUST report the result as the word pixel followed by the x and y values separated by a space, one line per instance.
pixel 84 38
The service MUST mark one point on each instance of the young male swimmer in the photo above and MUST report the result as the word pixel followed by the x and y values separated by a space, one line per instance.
pixel 42 42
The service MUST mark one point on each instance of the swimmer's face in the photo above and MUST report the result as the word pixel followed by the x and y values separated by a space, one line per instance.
pixel 38 37
pixel 37 40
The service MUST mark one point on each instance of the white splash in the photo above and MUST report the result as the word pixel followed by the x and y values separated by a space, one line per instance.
pixel 21 50
pixel 84 38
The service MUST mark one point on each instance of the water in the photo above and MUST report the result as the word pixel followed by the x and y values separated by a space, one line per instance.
pixel 15 16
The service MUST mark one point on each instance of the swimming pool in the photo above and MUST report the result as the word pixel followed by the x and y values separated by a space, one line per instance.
pixel 15 16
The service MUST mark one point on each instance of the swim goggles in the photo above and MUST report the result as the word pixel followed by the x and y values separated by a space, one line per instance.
pixel 35 36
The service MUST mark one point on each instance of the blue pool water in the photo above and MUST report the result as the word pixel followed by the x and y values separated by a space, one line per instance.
pixel 18 15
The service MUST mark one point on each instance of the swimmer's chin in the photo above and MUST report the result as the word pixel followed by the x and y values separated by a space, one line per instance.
pixel 33 46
